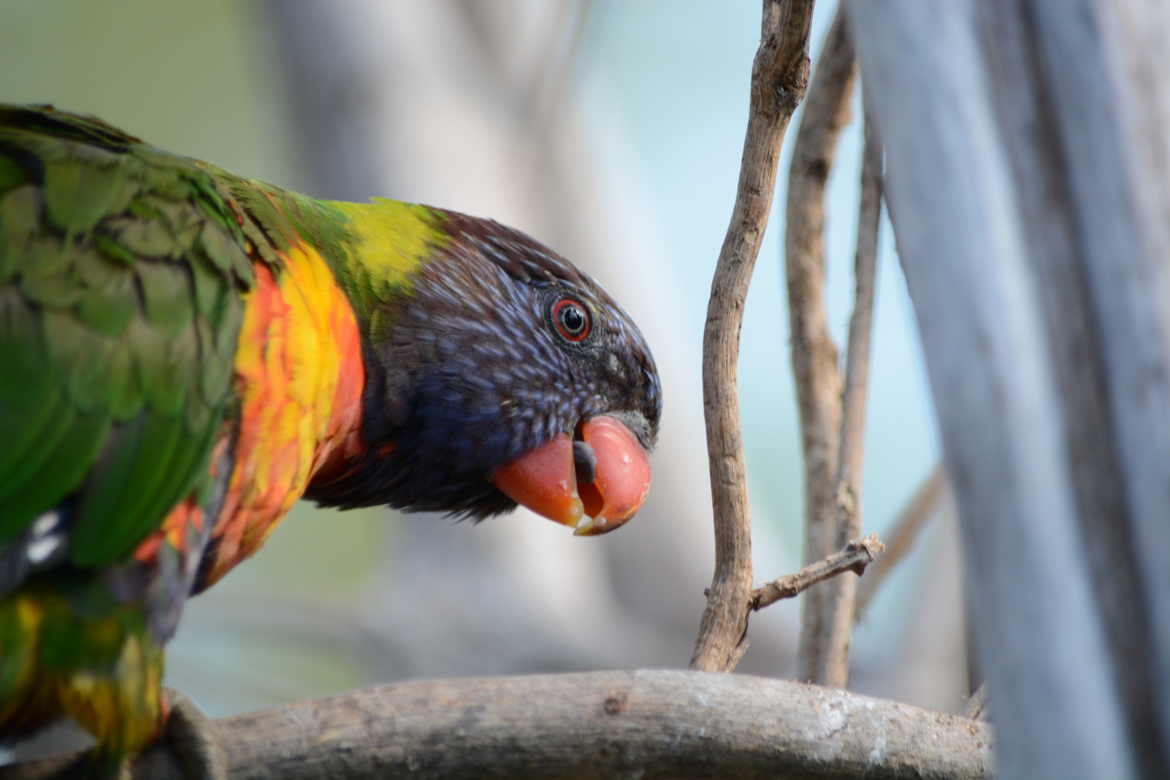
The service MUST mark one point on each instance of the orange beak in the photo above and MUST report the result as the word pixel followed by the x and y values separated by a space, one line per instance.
pixel 545 479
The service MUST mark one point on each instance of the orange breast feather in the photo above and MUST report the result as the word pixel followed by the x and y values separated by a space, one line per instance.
pixel 299 374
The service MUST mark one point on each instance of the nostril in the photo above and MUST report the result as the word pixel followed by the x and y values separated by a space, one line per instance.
pixel 584 462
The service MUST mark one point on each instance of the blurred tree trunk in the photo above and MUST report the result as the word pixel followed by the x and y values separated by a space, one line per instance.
pixel 1028 176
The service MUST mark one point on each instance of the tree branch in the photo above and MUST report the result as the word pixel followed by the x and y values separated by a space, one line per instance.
pixel 841 597
pixel 857 354
pixel 814 355
pixel 855 556
pixel 648 723
pixel 779 78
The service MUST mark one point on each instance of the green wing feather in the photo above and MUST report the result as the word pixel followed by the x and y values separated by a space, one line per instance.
pixel 121 273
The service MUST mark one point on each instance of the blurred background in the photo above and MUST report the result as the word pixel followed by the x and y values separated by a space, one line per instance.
pixel 611 131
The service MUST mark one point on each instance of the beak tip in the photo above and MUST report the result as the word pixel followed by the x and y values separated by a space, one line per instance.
pixel 601 524
pixel 544 479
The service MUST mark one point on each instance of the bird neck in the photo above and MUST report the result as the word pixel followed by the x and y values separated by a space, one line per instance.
pixel 372 249
pixel 386 242
pixel 300 365
pixel 299 375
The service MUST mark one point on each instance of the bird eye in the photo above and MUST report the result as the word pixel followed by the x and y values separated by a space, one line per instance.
pixel 571 319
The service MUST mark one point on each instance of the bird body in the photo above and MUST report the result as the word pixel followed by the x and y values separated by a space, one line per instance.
pixel 188 352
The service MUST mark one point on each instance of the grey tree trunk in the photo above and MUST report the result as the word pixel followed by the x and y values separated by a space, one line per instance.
pixel 1028 176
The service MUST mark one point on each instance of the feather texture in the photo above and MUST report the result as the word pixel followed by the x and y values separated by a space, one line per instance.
pixel 188 352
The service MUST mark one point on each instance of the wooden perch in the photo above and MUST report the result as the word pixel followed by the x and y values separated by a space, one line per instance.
pixel 645 723
pixel 779 78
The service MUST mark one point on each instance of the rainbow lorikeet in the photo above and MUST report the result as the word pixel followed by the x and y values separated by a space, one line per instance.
pixel 187 352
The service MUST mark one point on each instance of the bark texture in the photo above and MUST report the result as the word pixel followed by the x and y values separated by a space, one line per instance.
pixel 1028 177
pixel 646 723
pixel 779 78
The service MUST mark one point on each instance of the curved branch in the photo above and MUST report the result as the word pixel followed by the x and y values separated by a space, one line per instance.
pixel 779 78
pixel 648 723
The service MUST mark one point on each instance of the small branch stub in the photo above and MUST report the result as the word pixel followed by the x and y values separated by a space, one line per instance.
pixel 855 556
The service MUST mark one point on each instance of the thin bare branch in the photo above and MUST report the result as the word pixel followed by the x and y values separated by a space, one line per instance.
pixel 779 79
pixel 840 597
pixel 596 724
pixel 854 557
pixel 860 327
pixel 814 355
pixel 922 506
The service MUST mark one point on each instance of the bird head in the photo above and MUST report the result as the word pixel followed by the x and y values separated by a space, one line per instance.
pixel 501 374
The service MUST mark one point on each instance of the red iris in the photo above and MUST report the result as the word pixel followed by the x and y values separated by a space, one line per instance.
pixel 571 319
